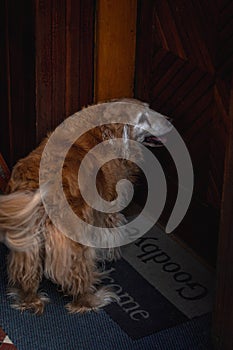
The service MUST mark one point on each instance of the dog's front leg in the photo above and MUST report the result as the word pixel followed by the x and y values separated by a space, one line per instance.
pixel 74 267
pixel 83 283
pixel 25 272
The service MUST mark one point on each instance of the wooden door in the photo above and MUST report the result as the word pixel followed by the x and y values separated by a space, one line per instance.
pixel 183 70
pixel 223 311
pixel 47 68
pixel 184 66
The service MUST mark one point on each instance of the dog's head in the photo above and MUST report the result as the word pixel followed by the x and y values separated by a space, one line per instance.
pixel 150 127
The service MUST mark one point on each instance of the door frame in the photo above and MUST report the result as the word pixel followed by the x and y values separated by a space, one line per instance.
pixel 223 310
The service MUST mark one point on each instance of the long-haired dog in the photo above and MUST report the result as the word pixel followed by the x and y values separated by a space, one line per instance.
pixel 37 246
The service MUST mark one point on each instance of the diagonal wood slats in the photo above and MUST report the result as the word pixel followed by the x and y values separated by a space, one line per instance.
pixel 224 55
pixel 184 64
pixel 173 86
pixel 179 31
pixel 161 83
pixel 190 70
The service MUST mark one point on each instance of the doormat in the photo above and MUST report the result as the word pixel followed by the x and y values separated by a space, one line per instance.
pixel 165 303
pixel 160 285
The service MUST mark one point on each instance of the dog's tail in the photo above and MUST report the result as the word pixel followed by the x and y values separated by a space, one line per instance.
pixel 21 214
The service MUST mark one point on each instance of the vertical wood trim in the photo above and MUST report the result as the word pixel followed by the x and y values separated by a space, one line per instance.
pixel 6 142
pixel 86 52
pixel 46 55
pixel 64 60
pixel 20 83
pixel 223 312
pixel 8 83
pixel 58 61
pixel 115 48
pixel 43 19
pixel 144 49
pixel 72 56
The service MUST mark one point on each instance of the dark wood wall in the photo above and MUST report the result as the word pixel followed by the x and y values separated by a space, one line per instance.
pixel 47 68
pixel 17 104
pixel 184 69
pixel 223 313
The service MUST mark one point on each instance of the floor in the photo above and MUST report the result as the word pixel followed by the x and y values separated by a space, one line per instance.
pixel 5 342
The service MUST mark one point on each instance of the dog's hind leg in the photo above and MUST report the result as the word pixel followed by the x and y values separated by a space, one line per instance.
pixel 73 267
pixel 87 295
pixel 25 272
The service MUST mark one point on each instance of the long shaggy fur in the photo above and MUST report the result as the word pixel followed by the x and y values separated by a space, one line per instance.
pixel 38 248
pixel 20 218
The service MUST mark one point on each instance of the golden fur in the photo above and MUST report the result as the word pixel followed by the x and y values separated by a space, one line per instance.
pixel 38 248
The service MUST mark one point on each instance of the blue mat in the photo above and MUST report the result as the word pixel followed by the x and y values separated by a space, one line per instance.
pixel 56 329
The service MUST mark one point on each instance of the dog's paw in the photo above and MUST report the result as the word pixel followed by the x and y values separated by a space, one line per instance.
pixel 23 302
pixel 92 301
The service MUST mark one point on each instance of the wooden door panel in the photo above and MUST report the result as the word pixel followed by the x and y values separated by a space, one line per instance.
pixel 47 54
pixel 183 70
pixel 196 88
